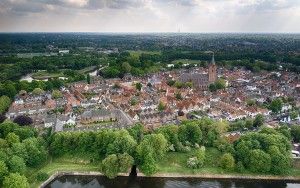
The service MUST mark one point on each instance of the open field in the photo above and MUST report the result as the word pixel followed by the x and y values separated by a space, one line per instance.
pixel 139 52
pixel 45 75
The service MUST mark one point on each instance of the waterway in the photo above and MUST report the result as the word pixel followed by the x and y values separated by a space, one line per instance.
pixel 72 181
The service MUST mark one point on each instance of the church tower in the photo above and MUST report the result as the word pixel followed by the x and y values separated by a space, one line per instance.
pixel 212 70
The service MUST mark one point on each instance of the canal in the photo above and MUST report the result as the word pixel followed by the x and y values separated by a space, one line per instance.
pixel 71 181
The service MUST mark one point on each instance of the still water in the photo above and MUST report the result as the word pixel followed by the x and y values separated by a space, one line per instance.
pixel 142 182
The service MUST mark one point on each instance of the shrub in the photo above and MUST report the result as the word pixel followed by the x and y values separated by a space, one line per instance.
pixel 227 161
pixel 193 162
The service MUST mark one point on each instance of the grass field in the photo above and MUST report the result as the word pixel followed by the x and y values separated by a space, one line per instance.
pixel 68 163
pixel 45 75
pixel 139 52
pixel 186 61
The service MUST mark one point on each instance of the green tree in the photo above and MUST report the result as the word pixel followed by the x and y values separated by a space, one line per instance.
pixel 110 166
pixel 227 161
pixel 259 161
pixel 38 91
pixel 126 67
pixel 276 105
pixel 12 138
pixel 56 94
pixel 3 171
pixel 295 132
pixel 212 87
pixel 4 103
pixel 16 165
pixel 280 162
pixel 190 132
pixel 258 121
pixel 125 162
pixel 220 84
pixel 138 86
pixel 15 180
pixel 161 106
pixel 200 154
pixel 148 167
pixel 88 78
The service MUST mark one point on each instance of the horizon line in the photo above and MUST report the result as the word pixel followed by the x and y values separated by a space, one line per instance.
pixel 154 32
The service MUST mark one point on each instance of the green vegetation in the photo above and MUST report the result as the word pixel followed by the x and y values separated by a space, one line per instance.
pixel 190 148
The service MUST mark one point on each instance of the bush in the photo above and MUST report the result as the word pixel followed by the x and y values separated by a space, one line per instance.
pixel 42 176
pixel 193 162
pixel 227 162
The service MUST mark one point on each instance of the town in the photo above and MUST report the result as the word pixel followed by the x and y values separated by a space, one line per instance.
pixel 162 98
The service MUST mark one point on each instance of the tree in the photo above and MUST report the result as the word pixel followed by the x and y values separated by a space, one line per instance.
pixel 123 143
pixel 4 103
pixel 227 161
pixel 276 105
pixel 88 78
pixel 2 118
pixel 110 167
pixel 148 167
pixel 259 161
pixel 3 171
pixel 190 132
pixel 171 82
pixel 294 114
pixel 16 165
pixel 178 96
pixel 126 67
pixel 212 87
pixel 220 84
pixel 36 151
pixel 295 132
pixel 125 162
pixel 56 94
pixel 12 138
pixel 258 121
pixel 15 180
pixel 280 162
pixel 200 154
pixel 23 120
pixel 161 106
pixel 10 90
pixel 38 91
pixel 138 86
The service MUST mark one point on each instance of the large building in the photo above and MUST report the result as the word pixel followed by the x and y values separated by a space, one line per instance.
pixel 202 80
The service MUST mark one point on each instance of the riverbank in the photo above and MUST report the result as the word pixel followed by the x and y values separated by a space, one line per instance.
pixel 175 175
pixel 173 165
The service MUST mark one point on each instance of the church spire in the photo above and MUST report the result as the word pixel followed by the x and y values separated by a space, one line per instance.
pixel 213 59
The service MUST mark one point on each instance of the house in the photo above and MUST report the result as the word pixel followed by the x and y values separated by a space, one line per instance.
pixel 91 116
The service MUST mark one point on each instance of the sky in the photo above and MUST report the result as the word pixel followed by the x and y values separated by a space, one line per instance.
pixel 204 16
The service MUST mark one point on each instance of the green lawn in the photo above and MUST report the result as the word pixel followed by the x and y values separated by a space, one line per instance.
pixel 176 163
pixel 186 61
pixel 68 163
pixel 45 74
pixel 139 52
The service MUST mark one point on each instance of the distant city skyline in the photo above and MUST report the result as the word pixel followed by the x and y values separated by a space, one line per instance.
pixel 128 16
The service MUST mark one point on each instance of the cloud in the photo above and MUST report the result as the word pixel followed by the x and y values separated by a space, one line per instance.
pixel 150 15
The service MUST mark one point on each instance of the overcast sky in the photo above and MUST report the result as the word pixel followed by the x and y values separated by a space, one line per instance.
pixel 150 16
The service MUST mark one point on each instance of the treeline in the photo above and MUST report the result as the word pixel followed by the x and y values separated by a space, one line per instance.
pixel 12 68
pixel 270 148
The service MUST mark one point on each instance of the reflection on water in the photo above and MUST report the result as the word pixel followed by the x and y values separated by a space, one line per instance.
pixel 142 182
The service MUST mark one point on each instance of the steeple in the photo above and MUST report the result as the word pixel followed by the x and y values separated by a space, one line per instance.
pixel 213 59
